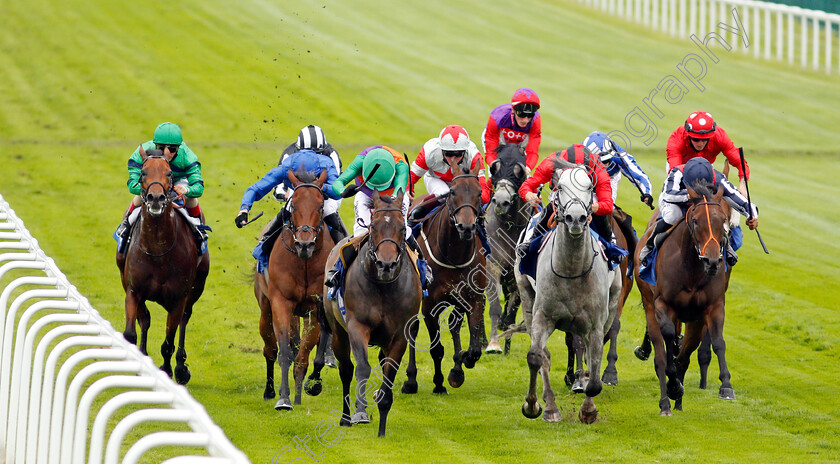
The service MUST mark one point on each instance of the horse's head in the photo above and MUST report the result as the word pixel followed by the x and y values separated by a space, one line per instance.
pixel 156 180
pixel 507 174
pixel 464 202
pixel 387 236
pixel 306 206
pixel 504 196
pixel 573 199
pixel 706 220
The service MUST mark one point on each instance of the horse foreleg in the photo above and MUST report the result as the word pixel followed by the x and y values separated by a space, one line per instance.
pixel 167 348
pixel 540 331
pixel 692 338
pixel 704 358
pixel 390 365
pixel 714 324
pixel 659 361
pixel 182 372
pixel 437 351
pixel 594 342
pixel 456 374
pixel 496 314
pixel 569 378
pixel 552 412
pixel 132 303
pixel 281 313
pixel 610 376
pixel 512 301
pixel 311 334
pixel 410 385
pixel 313 386
pixel 144 319
pixel 269 344
pixel 359 335
pixel 341 348
pixel 579 384
pixel 476 326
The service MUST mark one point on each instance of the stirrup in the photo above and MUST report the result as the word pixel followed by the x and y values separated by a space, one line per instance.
pixel 522 248
pixel 123 229
pixel 331 279
pixel 643 255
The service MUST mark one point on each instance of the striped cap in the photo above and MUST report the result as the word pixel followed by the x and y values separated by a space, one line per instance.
pixel 312 138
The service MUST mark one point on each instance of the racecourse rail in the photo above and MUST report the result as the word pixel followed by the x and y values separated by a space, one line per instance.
pixel 772 30
pixel 47 388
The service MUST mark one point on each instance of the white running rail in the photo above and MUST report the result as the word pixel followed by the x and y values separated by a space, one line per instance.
pixel 59 358
pixel 774 31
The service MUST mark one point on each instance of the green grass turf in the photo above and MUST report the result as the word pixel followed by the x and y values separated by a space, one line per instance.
pixel 84 83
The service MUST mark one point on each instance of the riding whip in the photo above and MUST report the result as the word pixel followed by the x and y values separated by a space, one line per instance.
pixel 749 202
pixel 259 215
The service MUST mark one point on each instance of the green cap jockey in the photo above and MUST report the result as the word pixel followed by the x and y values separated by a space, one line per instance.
pixel 384 174
pixel 168 133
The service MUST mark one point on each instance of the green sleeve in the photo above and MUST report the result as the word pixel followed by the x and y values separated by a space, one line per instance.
pixel 401 178
pixel 353 170
pixel 135 164
pixel 189 168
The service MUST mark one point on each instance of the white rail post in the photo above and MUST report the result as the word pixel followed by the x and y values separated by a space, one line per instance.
pixel 816 54
pixel 768 35
pixel 701 18
pixel 97 431
pixel 779 35
pixel 791 36
pixel 829 34
pixel 757 31
pixel 804 48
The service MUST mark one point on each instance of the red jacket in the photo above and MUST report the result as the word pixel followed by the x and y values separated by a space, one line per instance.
pixel 679 150
pixel 544 172
pixel 502 124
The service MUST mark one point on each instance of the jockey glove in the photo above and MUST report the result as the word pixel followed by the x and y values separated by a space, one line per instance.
pixel 648 200
pixel 241 219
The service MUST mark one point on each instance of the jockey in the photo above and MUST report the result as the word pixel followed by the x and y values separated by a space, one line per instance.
pixel 617 161
pixel 186 176
pixel 674 199
pixel 376 170
pixel 307 160
pixel 451 149
pixel 602 203
pixel 312 138
pixel 518 122
pixel 700 136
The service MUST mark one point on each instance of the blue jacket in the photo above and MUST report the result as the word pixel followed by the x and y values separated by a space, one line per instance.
pixel 309 160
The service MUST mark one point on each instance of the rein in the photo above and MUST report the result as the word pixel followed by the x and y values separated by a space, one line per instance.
pixel 551 261
pixel 291 227
pixel 452 212
pixel 372 248
pixel 167 202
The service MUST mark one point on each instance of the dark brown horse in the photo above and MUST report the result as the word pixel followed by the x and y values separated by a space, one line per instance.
pixel 454 252
pixel 292 289
pixel 161 264
pixel 382 296
pixel 690 289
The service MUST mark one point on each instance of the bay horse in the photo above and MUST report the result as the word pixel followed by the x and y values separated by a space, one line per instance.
pixel 382 296
pixel 507 215
pixel 291 289
pixel 458 264
pixel 690 289
pixel 575 292
pixel 161 264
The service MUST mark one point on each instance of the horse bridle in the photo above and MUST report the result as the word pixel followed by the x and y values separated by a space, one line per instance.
pixel 479 215
pixel 702 252
pixel 290 222
pixel 372 248
pixel 144 190
pixel 560 209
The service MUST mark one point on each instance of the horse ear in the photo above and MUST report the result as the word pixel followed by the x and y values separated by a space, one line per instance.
pixel 321 178
pixel 519 171
pixel 475 169
pixel 691 192
pixel 168 155
pixel 494 167
pixel 726 169
pixel 143 154
pixel 718 196
pixel 293 178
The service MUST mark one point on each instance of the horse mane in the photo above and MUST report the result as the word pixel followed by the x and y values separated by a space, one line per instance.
pixel 704 188
pixel 154 153
pixel 306 177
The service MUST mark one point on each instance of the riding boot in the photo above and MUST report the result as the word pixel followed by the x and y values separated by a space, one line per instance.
pixel 731 256
pixel 124 231
pixel 333 277
pixel 539 229
pixel 655 240
pixel 269 237
pixel 337 230
pixel 421 261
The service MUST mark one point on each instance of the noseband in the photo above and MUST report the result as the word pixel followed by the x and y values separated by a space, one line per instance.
pixel 145 190
pixel 560 208
pixel 702 252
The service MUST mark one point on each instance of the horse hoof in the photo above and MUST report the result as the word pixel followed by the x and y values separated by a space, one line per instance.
pixel 361 418
pixel 268 394
pixel 675 390
pixel 469 361
pixel 726 393
pixel 329 361
pixel 702 384
pixel 441 390
pixel 569 379
pixel 456 378
pixel 409 387
pixel 312 387
pixel 641 354
pixel 283 404
pixel 182 375
pixel 579 386
pixel 678 405
pixel 493 348
pixel 610 378
pixel 531 413
pixel 589 416
pixel 665 413
pixel 167 369
pixel 552 416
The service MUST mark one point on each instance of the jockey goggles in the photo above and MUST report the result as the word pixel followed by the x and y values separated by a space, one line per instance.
pixel 172 148
pixel 453 153
pixel 525 110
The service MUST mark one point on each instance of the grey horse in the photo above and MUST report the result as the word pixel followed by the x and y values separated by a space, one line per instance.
pixel 574 291
pixel 506 216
